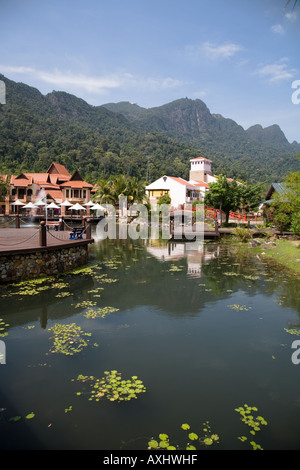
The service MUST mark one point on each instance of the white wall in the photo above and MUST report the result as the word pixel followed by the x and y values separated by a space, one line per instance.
pixel 177 191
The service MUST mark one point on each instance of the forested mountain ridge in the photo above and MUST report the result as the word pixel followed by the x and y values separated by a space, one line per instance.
pixel 191 121
pixel 101 141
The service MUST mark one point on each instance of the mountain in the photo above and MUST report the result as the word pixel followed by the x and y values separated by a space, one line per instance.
pixel 117 138
pixel 221 139
pixel 191 120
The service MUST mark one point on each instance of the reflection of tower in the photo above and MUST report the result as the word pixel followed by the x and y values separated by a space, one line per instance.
pixel 200 169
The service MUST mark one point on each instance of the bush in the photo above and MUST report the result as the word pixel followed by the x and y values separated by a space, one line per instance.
pixel 243 234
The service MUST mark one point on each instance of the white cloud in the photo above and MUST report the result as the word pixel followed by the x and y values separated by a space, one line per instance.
pixel 291 16
pixel 196 52
pixel 222 51
pixel 68 81
pixel 276 72
pixel 277 29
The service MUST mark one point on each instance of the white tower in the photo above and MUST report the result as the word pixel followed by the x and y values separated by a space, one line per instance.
pixel 200 169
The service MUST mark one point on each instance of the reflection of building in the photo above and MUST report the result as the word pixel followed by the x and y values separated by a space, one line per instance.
pixel 196 253
pixel 56 184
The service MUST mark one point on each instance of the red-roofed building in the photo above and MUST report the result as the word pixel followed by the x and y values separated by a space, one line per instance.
pixel 180 191
pixel 184 192
pixel 57 185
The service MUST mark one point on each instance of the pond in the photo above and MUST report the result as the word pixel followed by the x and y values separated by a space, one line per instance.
pixel 193 333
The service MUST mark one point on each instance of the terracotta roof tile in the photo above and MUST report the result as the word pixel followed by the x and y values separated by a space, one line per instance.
pixel 76 184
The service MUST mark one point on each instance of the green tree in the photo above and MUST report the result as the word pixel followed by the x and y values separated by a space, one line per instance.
pixel 223 195
pixel 287 204
pixel 251 196
pixel 4 185
pixel 164 199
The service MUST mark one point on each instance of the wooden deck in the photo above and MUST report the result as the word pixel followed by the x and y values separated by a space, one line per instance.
pixel 26 240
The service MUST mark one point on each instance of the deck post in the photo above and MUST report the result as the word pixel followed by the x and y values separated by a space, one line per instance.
pixel 61 224
pixel 17 221
pixel 43 234
pixel 88 227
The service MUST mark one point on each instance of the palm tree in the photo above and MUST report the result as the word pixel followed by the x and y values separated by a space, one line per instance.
pixel 109 191
pixel 104 193
pixel 136 190
pixel 289 1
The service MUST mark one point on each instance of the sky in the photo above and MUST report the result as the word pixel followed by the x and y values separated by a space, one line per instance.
pixel 241 57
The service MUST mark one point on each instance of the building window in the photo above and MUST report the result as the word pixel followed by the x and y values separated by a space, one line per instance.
pixel 76 193
pixel 67 193
pixel 21 193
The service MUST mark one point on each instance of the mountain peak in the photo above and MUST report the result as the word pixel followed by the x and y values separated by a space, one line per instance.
pixel 271 135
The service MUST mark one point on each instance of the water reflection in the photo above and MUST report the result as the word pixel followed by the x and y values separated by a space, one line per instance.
pixel 178 278
pixel 196 253
pixel 173 328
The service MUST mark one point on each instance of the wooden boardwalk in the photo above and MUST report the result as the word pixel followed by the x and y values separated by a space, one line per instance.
pixel 26 240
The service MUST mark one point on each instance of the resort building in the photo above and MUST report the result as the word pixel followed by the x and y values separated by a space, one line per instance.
pixel 180 191
pixel 56 185
pixel 184 192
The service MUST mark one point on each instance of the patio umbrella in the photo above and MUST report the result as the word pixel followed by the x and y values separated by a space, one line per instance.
pixel 90 203
pixel 66 203
pixel 78 207
pixel 29 206
pixel 53 206
pixel 97 207
pixel 40 203
pixel 18 204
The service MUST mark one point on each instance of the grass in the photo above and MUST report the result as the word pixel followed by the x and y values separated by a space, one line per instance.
pixel 287 253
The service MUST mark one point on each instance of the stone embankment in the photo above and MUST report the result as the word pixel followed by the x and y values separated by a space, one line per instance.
pixel 15 267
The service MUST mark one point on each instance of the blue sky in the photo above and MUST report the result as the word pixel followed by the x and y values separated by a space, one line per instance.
pixel 240 57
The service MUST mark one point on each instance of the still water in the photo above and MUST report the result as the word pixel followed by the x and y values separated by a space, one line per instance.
pixel 202 326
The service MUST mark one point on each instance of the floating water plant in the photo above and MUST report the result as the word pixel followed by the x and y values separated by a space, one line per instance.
pixel 100 312
pixel 254 423
pixel 193 439
pixel 3 326
pixel 104 279
pixel 68 339
pixel 85 304
pixel 292 331
pixel 63 294
pixel 174 269
pixel 85 270
pixel 238 307
pixel 112 387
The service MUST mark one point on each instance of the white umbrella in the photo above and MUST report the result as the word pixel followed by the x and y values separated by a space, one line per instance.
pixel 53 206
pixel 98 207
pixel 40 203
pixel 90 203
pixel 29 206
pixel 17 203
pixel 78 207
pixel 66 203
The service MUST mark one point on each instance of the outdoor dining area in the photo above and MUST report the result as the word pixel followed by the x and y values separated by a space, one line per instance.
pixel 53 211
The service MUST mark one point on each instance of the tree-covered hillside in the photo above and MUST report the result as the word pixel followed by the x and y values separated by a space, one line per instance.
pixel 102 141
